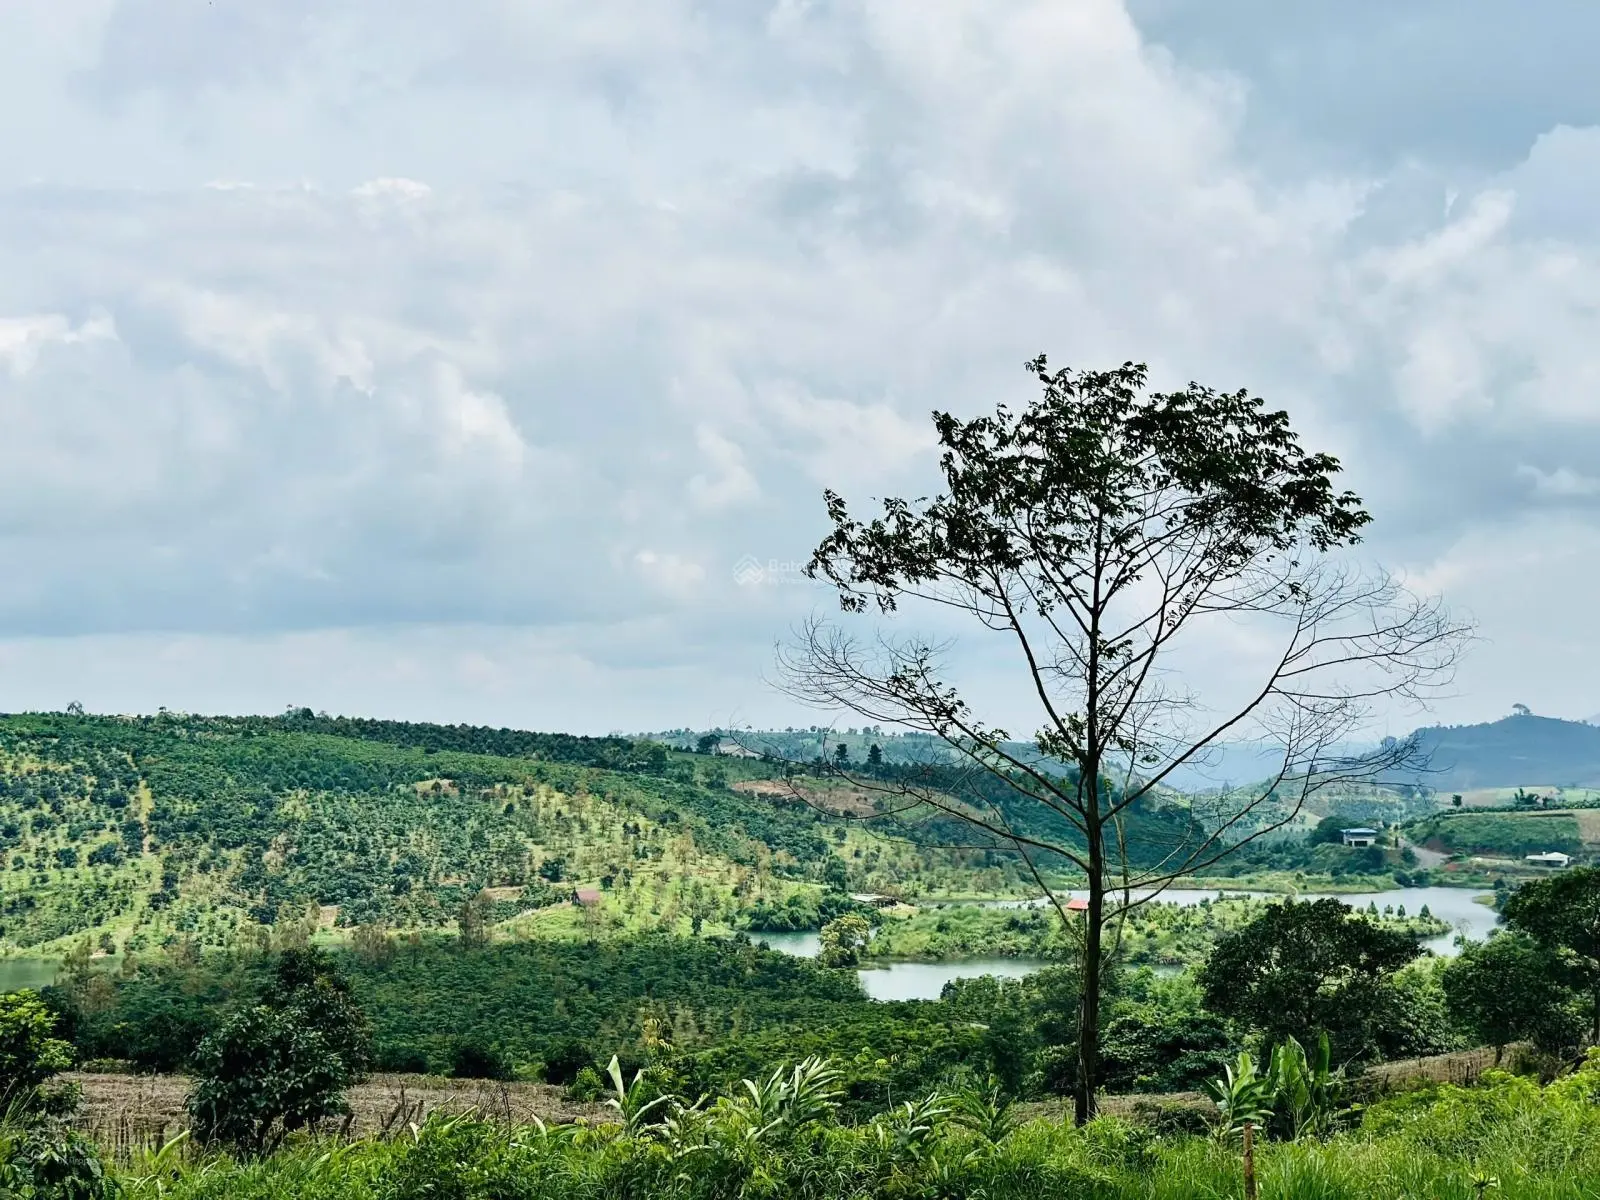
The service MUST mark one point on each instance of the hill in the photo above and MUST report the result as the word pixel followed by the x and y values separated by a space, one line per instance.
pixel 1510 835
pixel 1522 750
pixel 1518 751
pixel 140 831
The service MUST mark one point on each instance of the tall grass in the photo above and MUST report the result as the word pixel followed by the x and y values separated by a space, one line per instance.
pixel 1508 1139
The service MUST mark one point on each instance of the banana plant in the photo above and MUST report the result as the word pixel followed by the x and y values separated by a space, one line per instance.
pixel 989 1114
pixel 1306 1090
pixel 1243 1096
pixel 629 1099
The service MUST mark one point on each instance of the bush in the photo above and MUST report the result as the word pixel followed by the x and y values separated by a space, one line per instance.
pixel 587 1086
pixel 471 1059
pixel 43 1161
pixel 260 1077
pixel 29 1054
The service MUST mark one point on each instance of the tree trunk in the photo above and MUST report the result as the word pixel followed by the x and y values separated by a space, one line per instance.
pixel 1089 1003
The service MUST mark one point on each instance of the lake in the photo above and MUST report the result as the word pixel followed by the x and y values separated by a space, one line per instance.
pixel 27 973
pixel 905 980
pixel 1455 905
pixel 925 980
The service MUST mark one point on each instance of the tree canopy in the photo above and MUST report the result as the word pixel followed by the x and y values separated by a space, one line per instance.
pixel 1304 968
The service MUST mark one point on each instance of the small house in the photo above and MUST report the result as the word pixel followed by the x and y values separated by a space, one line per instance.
pixel 1076 904
pixel 874 900
pixel 728 748
pixel 587 897
pixel 1360 836
pixel 1550 858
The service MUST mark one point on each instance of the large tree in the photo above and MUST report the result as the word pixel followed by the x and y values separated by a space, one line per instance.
pixel 1103 533
pixel 1510 988
pixel 1562 914
pixel 1303 969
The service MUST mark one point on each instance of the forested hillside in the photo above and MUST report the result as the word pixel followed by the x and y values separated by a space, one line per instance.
pixel 1519 751
pixel 141 830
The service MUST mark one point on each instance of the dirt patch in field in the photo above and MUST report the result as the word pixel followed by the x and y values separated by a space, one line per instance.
pixel 1588 825
pixel 123 1111
pixel 762 787
pixel 841 801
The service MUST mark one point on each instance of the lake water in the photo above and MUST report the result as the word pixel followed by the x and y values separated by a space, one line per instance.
pixel 27 973
pixel 925 980
pixel 1455 905
pixel 905 980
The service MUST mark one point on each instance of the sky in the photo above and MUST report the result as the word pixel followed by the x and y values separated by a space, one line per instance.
pixel 487 361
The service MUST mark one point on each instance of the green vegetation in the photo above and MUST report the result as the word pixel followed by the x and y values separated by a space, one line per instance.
pixel 1562 916
pixel 283 1064
pixel 914 1099
pixel 708 1011
pixel 141 832
pixel 29 1053
pixel 1519 750
pixel 1509 834
pixel 781 1136
pixel 41 1157
pixel 547 1009
pixel 1510 988
pixel 1154 934
pixel 1310 966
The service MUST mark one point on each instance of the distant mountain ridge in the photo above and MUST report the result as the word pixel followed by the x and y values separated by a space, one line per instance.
pixel 1521 750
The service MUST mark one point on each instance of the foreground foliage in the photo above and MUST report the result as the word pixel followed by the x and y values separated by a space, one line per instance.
pixel 777 1136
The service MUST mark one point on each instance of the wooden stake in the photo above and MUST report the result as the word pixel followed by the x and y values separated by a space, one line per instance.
pixel 1249 1161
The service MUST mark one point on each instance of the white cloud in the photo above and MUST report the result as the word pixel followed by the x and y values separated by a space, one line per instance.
pixel 670 573
pixel 727 481
pixel 674 268
pixel 1561 483
pixel 22 338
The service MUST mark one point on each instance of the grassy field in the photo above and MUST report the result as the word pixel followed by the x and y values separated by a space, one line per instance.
pixel 1507 1136
pixel 1508 834
pixel 127 1112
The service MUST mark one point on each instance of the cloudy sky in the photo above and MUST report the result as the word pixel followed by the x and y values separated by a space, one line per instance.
pixel 446 360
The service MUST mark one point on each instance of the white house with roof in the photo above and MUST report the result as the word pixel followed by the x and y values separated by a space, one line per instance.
pixel 1359 836
pixel 1550 858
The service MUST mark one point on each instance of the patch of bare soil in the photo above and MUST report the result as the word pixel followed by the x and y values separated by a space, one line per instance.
pixel 841 801
pixel 123 1111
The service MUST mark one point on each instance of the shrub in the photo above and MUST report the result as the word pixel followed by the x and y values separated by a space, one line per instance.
pixel 472 1059
pixel 587 1086
pixel 29 1054
pixel 261 1076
